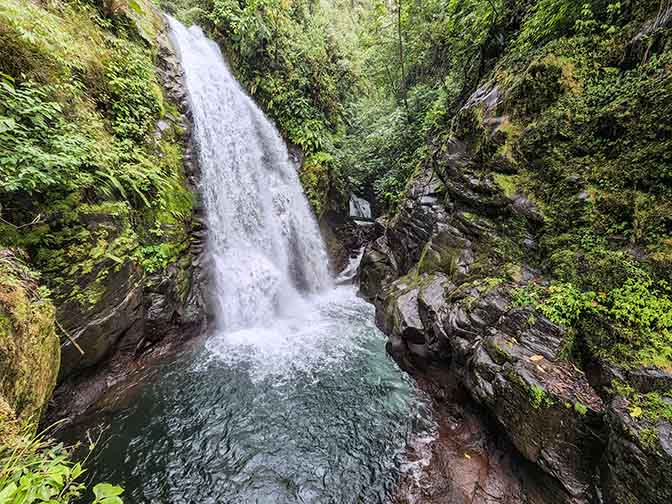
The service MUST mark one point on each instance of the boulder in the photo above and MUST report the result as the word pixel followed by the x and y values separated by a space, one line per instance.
pixel 377 267
pixel 638 461
pixel 546 406
pixel 510 361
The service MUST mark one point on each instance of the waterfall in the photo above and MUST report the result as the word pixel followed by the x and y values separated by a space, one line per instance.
pixel 264 242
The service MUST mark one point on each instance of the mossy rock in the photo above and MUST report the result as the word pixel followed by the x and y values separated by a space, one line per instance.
pixel 29 346
pixel 638 460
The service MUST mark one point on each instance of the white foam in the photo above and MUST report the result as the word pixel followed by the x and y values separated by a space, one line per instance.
pixel 321 333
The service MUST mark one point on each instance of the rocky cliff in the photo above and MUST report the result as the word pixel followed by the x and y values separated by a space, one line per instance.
pixel 114 225
pixel 515 260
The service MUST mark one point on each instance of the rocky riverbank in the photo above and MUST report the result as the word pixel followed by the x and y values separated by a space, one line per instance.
pixel 467 278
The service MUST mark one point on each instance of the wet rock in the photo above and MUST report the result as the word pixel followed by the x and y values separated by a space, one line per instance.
pixel 467 461
pixel 448 252
pixel 345 237
pixel 401 318
pixel 523 206
pixel 172 307
pixel 438 313
pixel 487 96
pixel 99 328
pixel 509 361
pixel 416 221
pixel 546 406
pixel 433 309
pixel 161 127
pixel 378 267
pixel 359 208
pixel 647 380
pixel 638 461
pixel 442 279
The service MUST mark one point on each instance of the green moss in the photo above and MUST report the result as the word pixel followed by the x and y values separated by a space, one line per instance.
pixel 439 256
pixel 29 347
pixel 629 326
pixel 315 179
pixel 651 407
pixel 497 353
pixel 489 283
pixel 507 184
pixel 580 409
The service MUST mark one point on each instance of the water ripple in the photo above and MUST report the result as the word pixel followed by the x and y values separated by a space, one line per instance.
pixel 326 420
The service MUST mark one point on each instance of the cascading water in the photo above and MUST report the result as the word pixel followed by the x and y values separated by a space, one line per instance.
pixel 293 398
pixel 263 239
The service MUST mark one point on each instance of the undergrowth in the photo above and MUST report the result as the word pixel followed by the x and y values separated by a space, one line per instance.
pixel 87 185
pixel 36 469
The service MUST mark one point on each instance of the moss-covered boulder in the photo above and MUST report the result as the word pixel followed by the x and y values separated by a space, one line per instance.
pixel 546 405
pixel 29 346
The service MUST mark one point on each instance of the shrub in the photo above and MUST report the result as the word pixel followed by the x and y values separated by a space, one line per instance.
pixel 38 148
pixel 34 468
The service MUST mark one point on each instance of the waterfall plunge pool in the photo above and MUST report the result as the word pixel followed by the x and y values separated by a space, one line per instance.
pixel 308 410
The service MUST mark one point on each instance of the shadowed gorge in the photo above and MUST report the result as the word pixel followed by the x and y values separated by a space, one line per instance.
pixel 336 251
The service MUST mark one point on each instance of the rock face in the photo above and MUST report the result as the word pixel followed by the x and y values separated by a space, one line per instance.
pixel 546 406
pixel 343 236
pixel 444 277
pixel 175 299
pixel 638 461
pixel 136 310
pixel 116 316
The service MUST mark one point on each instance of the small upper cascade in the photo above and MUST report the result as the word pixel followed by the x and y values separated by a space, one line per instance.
pixel 359 208
pixel 264 241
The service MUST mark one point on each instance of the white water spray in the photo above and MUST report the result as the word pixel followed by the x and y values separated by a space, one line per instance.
pixel 264 241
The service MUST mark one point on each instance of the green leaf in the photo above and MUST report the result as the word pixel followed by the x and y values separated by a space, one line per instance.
pixel 135 6
pixel 112 500
pixel 77 470
pixel 105 490
pixel 7 492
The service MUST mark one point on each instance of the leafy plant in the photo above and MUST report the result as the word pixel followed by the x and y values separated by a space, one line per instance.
pixel 132 92
pixel 38 148
pixel 107 494
pixel 34 468
pixel 157 257
pixel 564 304
pixel 539 398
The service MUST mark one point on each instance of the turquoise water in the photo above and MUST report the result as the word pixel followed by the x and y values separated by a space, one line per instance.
pixel 309 410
